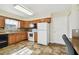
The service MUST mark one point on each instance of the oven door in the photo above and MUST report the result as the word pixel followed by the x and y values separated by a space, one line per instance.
pixel 30 36
pixel 3 40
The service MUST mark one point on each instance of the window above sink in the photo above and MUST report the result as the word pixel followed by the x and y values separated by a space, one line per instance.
pixel 12 24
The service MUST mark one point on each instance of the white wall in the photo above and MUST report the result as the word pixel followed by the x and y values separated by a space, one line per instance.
pixel 63 24
pixel 74 21
pixel 57 28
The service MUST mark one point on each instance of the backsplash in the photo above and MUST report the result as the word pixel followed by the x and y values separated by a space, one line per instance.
pixel 13 30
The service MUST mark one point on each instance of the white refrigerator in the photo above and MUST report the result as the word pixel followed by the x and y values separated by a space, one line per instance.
pixel 43 33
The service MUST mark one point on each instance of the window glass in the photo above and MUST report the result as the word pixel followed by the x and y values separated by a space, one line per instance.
pixel 12 24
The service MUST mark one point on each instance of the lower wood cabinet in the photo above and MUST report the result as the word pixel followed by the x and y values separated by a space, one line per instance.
pixel 11 38
pixel 17 37
pixel 35 36
pixel 24 35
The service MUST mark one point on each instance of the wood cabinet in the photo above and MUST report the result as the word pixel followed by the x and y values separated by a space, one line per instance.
pixel 22 24
pixel 24 35
pixel 17 37
pixel 21 36
pixel 25 24
pixel 2 21
pixel 11 38
pixel 35 36
pixel 36 21
pixel 48 20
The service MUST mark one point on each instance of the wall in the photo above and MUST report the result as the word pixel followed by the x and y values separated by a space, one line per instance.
pixel 63 24
pixel 57 28
pixel 73 20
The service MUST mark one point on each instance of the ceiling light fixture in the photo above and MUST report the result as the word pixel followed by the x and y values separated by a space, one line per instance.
pixel 23 9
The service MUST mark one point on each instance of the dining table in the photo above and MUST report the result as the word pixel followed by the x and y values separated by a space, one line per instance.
pixel 75 43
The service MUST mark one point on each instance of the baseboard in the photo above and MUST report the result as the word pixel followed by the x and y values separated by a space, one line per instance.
pixel 61 43
pixel 58 44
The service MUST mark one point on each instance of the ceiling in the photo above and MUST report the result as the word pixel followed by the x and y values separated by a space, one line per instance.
pixel 39 10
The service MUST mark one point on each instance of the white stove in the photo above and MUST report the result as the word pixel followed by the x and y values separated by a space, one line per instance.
pixel 31 36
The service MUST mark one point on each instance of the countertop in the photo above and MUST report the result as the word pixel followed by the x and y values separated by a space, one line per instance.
pixel 5 31
pixel 11 32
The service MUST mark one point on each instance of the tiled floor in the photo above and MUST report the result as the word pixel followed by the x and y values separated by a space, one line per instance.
pixel 52 49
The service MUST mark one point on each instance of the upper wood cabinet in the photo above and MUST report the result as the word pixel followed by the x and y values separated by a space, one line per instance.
pixel 36 21
pixel 25 24
pixel 48 20
pixel 2 21
pixel 22 24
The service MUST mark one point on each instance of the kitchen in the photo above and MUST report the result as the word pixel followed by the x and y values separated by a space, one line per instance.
pixel 36 29
pixel 13 30
pixel 39 29
pixel 21 32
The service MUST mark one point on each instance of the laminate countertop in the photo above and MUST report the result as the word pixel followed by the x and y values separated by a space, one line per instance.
pixel 11 32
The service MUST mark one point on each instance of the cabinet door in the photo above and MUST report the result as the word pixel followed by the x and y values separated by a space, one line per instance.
pixel 22 24
pixel 36 21
pixel 25 24
pixel 35 36
pixel 18 37
pixel 26 35
pixel 11 38
pixel 23 35
pixel 2 21
pixel 48 20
